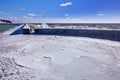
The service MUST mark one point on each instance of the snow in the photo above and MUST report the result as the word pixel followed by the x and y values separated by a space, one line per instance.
pixel 45 57
pixel 42 57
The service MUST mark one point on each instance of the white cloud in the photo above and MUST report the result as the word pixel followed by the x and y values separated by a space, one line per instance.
pixel 86 19
pixel 100 14
pixel 66 4
pixel 1 12
pixel 7 13
pixel 31 14
pixel 24 16
pixel 22 9
pixel 66 15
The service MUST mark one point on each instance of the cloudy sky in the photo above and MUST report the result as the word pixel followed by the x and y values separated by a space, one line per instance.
pixel 60 10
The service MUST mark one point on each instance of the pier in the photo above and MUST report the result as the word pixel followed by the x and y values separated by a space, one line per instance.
pixel 94 30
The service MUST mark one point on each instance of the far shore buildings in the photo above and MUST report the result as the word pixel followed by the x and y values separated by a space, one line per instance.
pixel 3 21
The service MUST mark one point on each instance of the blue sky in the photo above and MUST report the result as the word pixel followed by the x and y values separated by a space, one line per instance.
pixel 63 9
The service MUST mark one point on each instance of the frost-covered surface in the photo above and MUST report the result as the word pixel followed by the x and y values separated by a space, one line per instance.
pixel 40 57
pixel 89 26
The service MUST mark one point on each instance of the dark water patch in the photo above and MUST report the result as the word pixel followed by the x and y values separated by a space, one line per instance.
pixel 5 27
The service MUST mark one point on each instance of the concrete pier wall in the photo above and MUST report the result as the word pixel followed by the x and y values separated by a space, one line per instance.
pixel 88 25
pixel 101 31
pixel 101 34
pixel 26 29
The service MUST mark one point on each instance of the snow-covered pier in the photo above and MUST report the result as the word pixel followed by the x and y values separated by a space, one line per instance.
pixel 94 30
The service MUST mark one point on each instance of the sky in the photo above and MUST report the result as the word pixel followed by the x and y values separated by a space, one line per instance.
pixel 60 10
